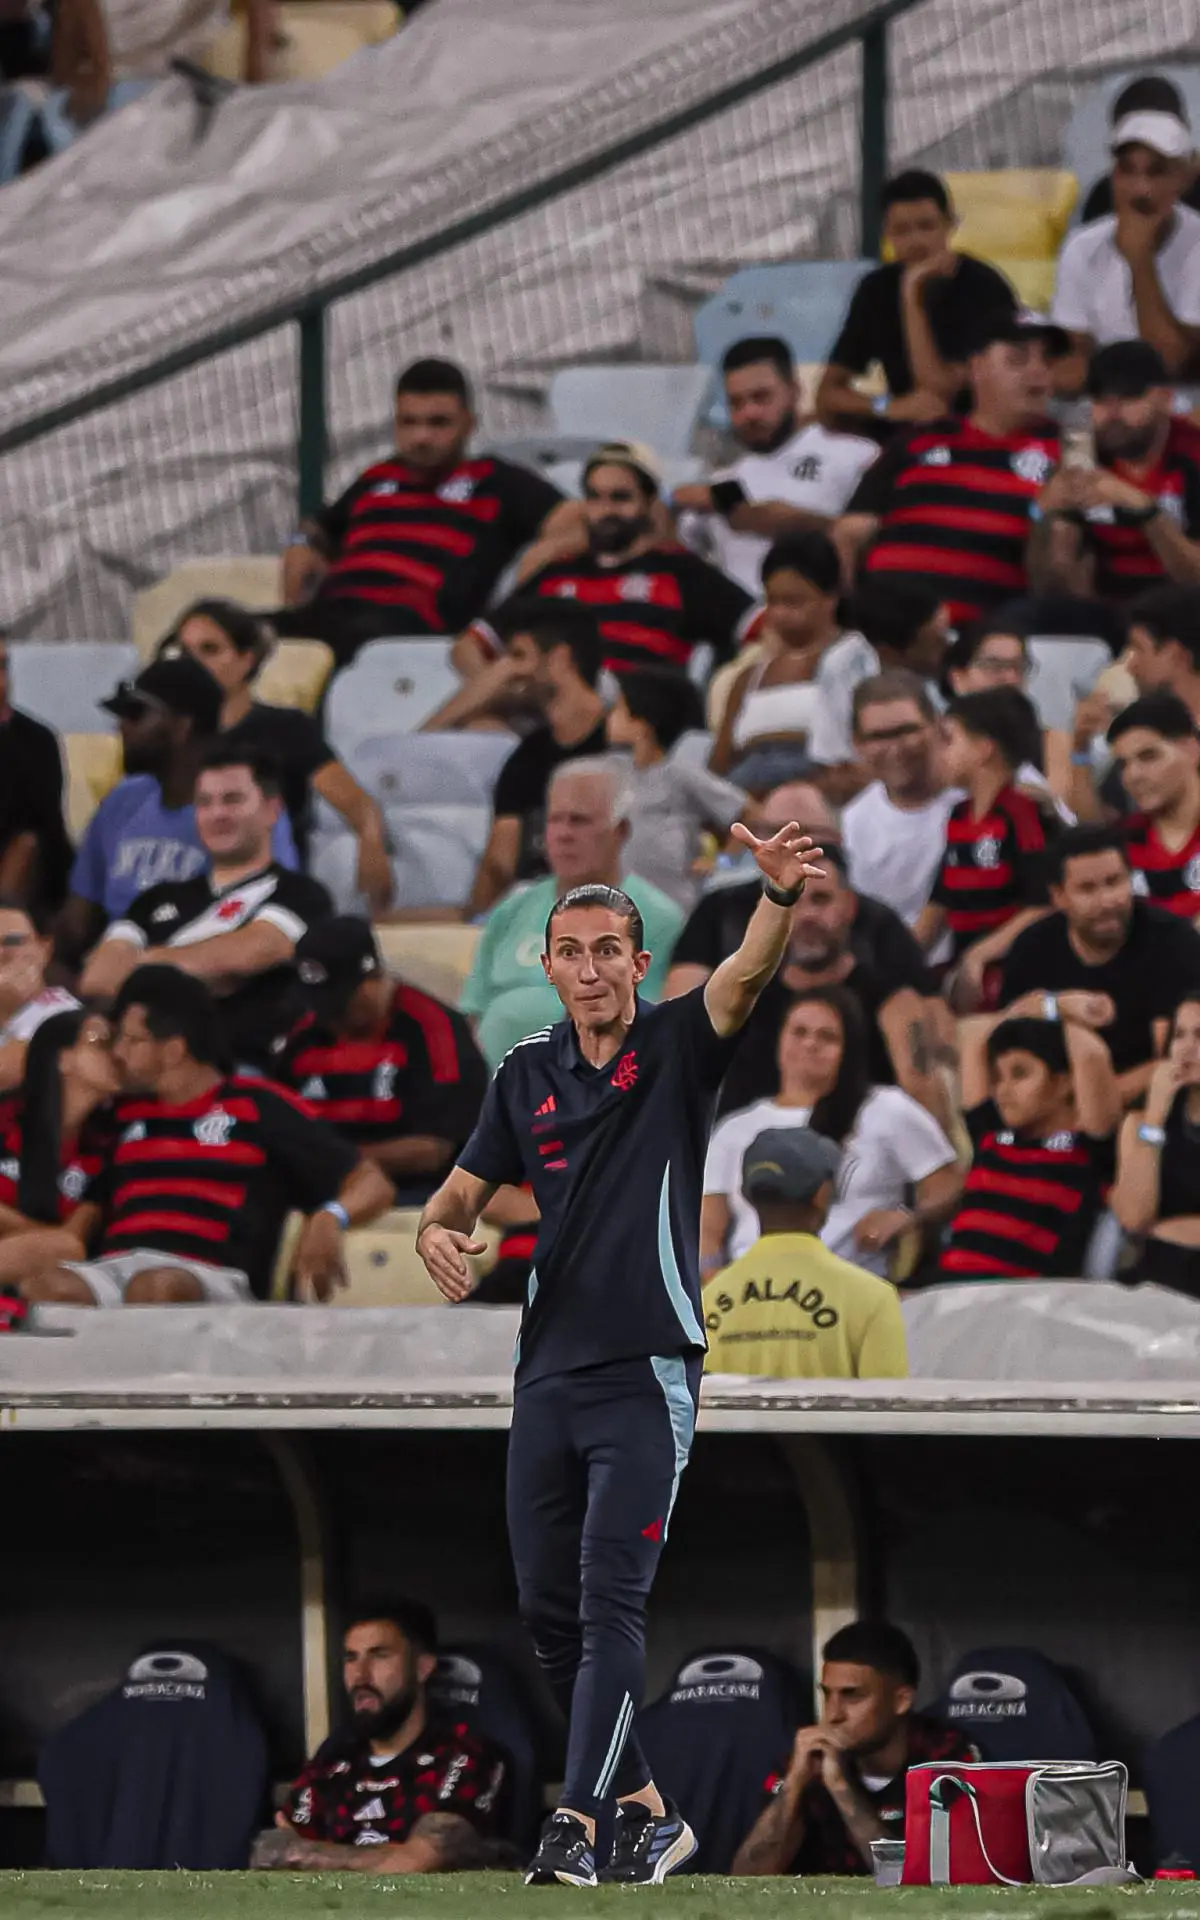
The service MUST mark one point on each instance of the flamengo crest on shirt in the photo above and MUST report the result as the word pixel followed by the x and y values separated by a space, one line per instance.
pixel 214 1129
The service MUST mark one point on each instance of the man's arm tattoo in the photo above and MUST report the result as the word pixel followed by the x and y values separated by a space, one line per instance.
pixel 766 1847
pixel 459 1848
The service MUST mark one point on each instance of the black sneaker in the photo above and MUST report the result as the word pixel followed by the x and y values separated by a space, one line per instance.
pixel 565 1855
pixel 646 1846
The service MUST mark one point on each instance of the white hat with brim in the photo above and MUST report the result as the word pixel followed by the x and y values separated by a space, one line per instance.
pixel 1163 132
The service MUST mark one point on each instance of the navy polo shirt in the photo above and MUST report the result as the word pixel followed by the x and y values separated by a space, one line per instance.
pixel 615 1156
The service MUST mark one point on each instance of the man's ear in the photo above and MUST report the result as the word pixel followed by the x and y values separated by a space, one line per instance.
pixel 904 1699
pixel 426 1667
pixel 641 967
pixel 546 968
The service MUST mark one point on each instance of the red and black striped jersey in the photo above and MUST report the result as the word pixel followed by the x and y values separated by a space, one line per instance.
pixel 421 1073
pixel 1169 876
pixel 215 1179
pixel 1125 561
pixel 653 610
pixel 80 1159
pixel 1028 1205
pixel 437 550
pixel 993 866
pixel 953 505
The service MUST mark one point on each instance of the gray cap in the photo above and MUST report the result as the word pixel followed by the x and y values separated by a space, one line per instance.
pixel 788 1163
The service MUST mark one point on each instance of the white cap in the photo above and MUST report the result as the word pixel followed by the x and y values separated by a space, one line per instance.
pixel 1165 133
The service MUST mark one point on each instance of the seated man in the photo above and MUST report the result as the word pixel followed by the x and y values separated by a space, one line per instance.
pixel 389 1067
pixel 1113 961
pixel 191 1201
pixel 1163 655
pixel 914 316
pixel 417 543
pixel 235 926
pixel 1145 93
pixel 892 627
pixel 791 478
pixel 25 999
pixel 788 1308
pixel 1135 274
pixel 587 824
pixel 144 832
pixel 396 1789
pixel 1042 1105
pixel 894 831
pixel 844 1782
pixel 1156 748
pixel 35 854
pixel 655 602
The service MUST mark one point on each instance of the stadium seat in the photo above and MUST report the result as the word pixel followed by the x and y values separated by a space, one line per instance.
pixel 93 768
pixel 385 1269
pixel 1170 1769
pixel 1015 213
pixel 658 404
pixel 392 685
pixel 256 580
pixel 1031 280
pixel 1064 668
pixel 804 301
pixel 725 1724
pixel 62 682
pixel 435 958
pixel 295 675
pixel 481 1686
pixel 312 38
pixel 1015 1704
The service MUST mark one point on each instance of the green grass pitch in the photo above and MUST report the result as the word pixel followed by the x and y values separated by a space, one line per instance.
pixel 277 1896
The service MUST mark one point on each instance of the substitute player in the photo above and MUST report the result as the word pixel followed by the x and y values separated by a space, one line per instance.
pixel 607 1114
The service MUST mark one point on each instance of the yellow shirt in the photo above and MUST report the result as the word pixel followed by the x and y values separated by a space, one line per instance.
pixel 791 1310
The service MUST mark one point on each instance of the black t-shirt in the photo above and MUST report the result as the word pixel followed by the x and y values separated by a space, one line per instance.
pixel 754 1070
pixel 615 1157
pixel 1146 980
pixel 873 329
pixel 521 789
pixel 299 749
pixel 182 912
pixel 879 938
pixel 31 800
pixel 216 1178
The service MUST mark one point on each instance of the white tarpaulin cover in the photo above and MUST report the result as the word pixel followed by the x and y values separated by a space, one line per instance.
pixel 159 227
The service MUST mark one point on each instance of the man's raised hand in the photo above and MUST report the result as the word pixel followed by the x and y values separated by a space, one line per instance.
pixel 784 859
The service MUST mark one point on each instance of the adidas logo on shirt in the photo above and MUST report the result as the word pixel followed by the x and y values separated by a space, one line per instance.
pixel 547 1106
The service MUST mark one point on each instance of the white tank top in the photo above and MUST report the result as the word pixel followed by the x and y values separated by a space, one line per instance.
pixel 764 711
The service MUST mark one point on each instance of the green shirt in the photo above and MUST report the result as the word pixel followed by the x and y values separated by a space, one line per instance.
pixel 507 989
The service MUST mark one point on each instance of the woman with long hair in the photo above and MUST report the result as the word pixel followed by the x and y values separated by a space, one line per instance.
pixel 1157 1190
pixel 233 644
pixel 898 1169
pixel 54 1135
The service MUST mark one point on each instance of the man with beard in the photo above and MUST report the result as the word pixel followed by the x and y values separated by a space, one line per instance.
pixel 397 1790
pixel 790 479
pixel 144 832
pixel 1109 960
pixel 844 1782
pixel 1133 520
pixel 655 602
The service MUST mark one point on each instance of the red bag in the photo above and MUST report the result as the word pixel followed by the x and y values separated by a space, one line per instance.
pixel 1051 1822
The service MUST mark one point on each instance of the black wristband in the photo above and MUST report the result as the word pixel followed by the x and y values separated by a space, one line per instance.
pixel 1137 516
pixel 781 896
pixel 726 495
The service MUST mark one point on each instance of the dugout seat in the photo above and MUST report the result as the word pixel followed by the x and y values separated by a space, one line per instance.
pixel 1170 1769
pixel 481 1686
pixel 256 580
pixel 1015 1704
pixel 435 958
pixel 169 1770
pixel 725 1724
pixel 62 682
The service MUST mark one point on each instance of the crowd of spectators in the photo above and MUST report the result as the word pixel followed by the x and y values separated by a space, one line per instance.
pixel 978 1060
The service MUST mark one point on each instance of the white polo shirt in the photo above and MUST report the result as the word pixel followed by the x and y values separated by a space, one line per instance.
pixel 1093 292
pixel 814 470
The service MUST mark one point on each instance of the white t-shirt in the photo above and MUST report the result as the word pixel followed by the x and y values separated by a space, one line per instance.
pixel 893 853
pixel 842 667
pixel 893 1144
pixel 1093 292
pixel 24 1023
pixel 814 470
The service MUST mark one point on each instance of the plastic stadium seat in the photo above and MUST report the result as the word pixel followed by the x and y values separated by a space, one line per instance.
pixel 435 854
pixel 1012 1702
pixel 1063 670
pixel 805 301
pixel 385 1269
pixel 1031 280
pixel 295 675
pixel 1085 143
pixel 93 768
pixel 312 39
pixel 658 404
pixel 62 682
pixel 392 684
pixel 1016 213
pixel 435 958
pixel 256 580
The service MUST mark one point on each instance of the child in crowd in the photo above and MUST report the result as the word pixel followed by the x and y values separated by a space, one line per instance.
pixel 659 718
pixel 1041 1103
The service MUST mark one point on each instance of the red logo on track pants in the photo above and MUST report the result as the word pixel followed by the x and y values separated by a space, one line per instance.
pixel 653 1531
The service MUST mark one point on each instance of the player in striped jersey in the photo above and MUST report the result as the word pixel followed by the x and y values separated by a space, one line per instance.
pixel 1042 1105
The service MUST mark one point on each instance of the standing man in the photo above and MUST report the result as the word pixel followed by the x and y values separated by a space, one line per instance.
pixel 607 1114
pixel 789 479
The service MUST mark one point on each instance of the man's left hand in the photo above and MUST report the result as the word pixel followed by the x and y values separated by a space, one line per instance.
pixel 374 875
pixel 940 267
pixel 833 1773
pixel 319 1264
pixel 1136 236
pixel 1109 490
pixel 784 859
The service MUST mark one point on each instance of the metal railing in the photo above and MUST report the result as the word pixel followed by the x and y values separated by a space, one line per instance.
pixel 308 314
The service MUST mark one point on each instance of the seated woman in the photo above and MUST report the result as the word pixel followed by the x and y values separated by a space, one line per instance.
pixel 26 1001
pixel 898 1169
pixel 1041 1103
pixel 54 1134
pixel 1157 1189
pixel 763 739
pixel 233 645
